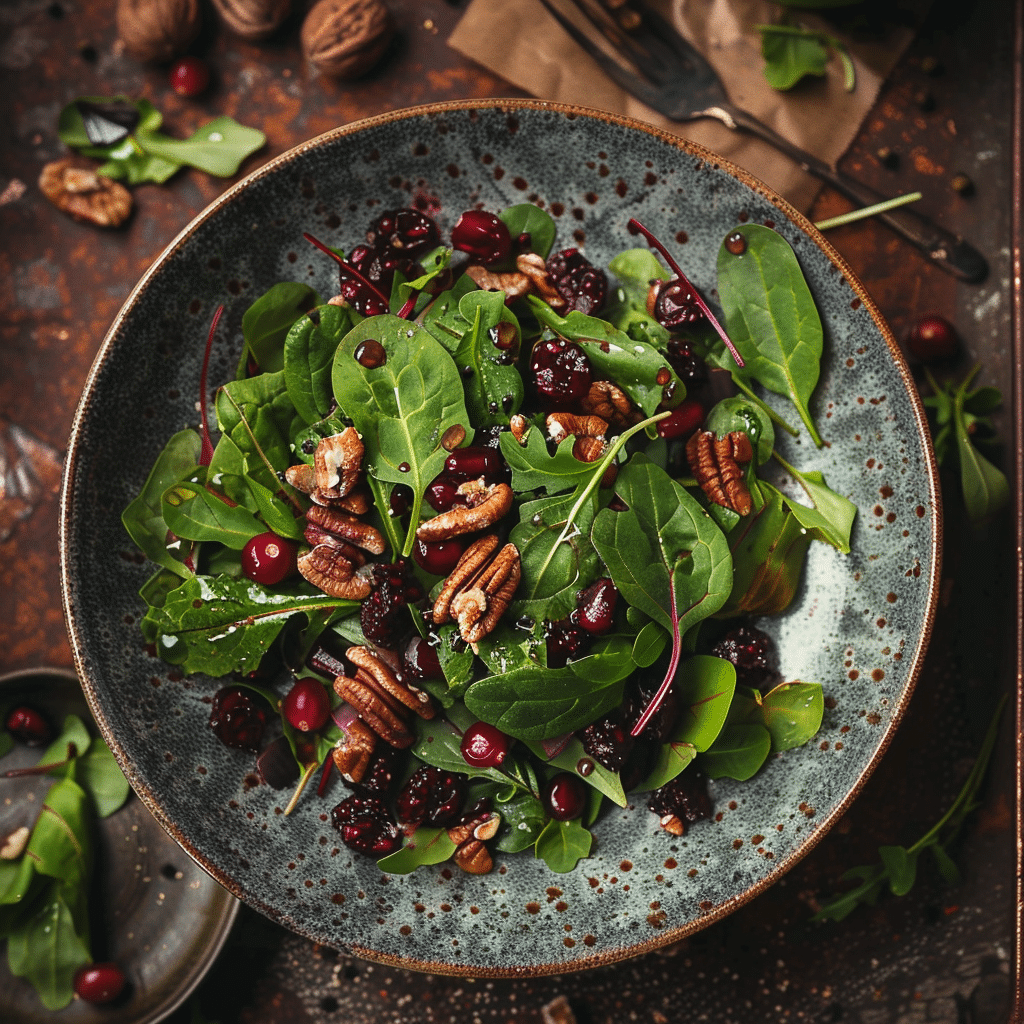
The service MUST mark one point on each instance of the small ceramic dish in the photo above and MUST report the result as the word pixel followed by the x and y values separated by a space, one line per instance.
pixel 159 916
pixel 859 624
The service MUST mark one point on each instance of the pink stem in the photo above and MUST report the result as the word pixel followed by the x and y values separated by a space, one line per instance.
pixel 206 449
pixel 670 674
pixel 634 223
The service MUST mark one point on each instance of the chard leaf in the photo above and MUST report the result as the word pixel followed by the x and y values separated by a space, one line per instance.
pixel 737 753
pixel 792 713
pixel 195 513
pixel 266 323
pixel 61 843
pixel 704 686
pixel 425 846
pixel 308 359
pixel 673 757
pixel 563 844
pixel 771 318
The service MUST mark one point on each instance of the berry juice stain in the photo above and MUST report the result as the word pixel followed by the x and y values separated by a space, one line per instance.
pixel 736 244
pixel 371 354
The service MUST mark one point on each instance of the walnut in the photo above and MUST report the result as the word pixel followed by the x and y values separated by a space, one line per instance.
pixel 345 38
pixel 73 185
pixel 158 30
pixel 252 19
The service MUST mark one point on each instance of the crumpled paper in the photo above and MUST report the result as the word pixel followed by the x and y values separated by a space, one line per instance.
pixel 520 41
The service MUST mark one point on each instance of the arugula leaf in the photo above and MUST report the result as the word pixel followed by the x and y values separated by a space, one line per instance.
pixel 424 846
pixel 771 318
pixel 266 323
pixel 308 359
pixel 562 844
pixel 791 52
pixel 533 468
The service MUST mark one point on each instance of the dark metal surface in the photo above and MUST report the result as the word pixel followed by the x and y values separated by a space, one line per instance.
pixel 936 954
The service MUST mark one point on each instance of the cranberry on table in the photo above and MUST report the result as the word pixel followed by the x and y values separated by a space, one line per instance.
pixel 307 705
pixel 933 339
pixel 483 236
pixel 564 796
pixel 269 559
pixel 99 983
pixel 189 76
pixel 484 746
pixel 236 719
pixel 28 726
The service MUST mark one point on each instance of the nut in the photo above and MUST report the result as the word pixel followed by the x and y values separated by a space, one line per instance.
pixel 345 38
pixel 326 567
pixel 353 751
pixel 413 698
pixel 611 403
pixel 673 824
pixel 473 857
pixel 589 449
pixel 715 464
pixel 532 265
pixel 488 504
pixel 561 424
pixel 514 284
pixel 345 528
pixel 336 463
pixel 72 185
pixel 302 477
pixel 519 425
pixel 158 30
pixel 252 19
pixel 14 845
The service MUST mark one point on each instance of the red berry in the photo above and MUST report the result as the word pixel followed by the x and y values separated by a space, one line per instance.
pixel 420 661
pixel 564 797
pixel 933 339
pixel 484 746
pixel 683 421
pixel 237 719
pixel 595 607
pixel 99 983
pixel 189 76
pixel 583 286
pixel 561 373
pixel 28 725
pixel 438 557
pixel 268 558
pixel 483 236
pixel 307 705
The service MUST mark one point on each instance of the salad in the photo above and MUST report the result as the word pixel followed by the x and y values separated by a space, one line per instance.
pixel 486 532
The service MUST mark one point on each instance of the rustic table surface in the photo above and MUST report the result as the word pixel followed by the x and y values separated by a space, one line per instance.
pixel 936 954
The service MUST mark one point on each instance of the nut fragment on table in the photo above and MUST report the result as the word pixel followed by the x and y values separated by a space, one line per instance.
pixel 158 30
pixel 73 185
pixel 345 38
pixel 252 19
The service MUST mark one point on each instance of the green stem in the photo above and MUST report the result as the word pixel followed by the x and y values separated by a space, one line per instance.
pixel 867 211
pixel 384 511
pixel 766 408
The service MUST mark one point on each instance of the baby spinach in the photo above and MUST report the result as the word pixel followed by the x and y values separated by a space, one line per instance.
pixel 673 758
pixel 266 323
pixel 831 519
pixel 738 752
pixel 740 413
pixel 196 513
pixel 791 51
pixel 308 358
pixel 792 713
pixel 523 819
pixel 704 687
pixel 571 756
pixel 562 844
pixel 771 318
pixel 424 846
pixel 528 219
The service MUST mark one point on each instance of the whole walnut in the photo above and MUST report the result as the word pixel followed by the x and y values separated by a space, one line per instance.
pixel 345 38
pixel 253 19
pixel 158 30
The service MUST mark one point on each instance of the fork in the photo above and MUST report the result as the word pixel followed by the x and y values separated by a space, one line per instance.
pixel 656 64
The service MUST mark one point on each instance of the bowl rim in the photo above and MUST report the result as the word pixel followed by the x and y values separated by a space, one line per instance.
pixel 689 148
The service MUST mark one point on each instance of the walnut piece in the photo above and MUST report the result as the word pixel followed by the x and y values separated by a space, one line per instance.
pixel 158 30
pixel 252 19
pixel 345 38
pixel 74 187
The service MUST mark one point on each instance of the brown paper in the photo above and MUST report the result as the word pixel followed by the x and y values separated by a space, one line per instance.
pixel 520 41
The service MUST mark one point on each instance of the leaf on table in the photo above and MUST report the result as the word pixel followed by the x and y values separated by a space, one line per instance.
pixel 790 56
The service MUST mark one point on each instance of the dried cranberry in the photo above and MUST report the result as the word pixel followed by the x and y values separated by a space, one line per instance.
pixel 563 642
pixel 689 367
pixel 583 286
pixel 676 304
pixel 483 236
pixel 484 746
pixel 382 614
pixel 99 983
pixel 595 607
pixel 420 661
pixel 28 726
pixel 608 740
pixel 366 826
pixel 753 654
pixel 933 339
pixel 431 797
pixel 407 231
pixel 438 557
pixel 442 493
pixel 564 796
pixel 236 719
pixel 662 724
pixel 381 771
pixel 686 797
pixel 561 373
pixel 306 705
pixel 684 419
pixel 268 558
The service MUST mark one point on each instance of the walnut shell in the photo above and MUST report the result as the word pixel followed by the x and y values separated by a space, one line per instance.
pixel 252 19
pixel 345 38
pixel 158 30
pixel 73 185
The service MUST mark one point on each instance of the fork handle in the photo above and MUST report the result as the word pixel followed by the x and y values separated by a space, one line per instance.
pixel 943 248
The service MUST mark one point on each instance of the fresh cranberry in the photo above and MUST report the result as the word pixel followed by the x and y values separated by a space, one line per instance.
pixel 753 654
pixel 189 76
pixel 404 231
pixel 676 305
pixel 484 746
pixel 662 724
pixel 933 339
pixel 401 499
pixel 442 493
pixel 564 641
pixel 560 370
pixel 438 557
pixel 28 726
pixel 564 796
pixel 307 706
pixel 595 607
pixel 431 797
pixel 583 286
pixel 268 558
pixel 236 719
pixel 99 983
pixel 475 461
pixel 684 419
pixel 483 236
pixel 608 740
pixel 366 826
pixel 420 661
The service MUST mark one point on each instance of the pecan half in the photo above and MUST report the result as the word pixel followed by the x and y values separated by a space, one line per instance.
pixel 532 265
pixel 74 187
pixel 344 528
pixel 384 676
pixel 611 403
pixel 488 503
pixel 482 826
pixel 479 588
pixel 514 284
pixel 337 462
pixel 326 567
pixel 353 751
pixel 473 857
pixel 561 424
pixel 715 464
pixel 302 477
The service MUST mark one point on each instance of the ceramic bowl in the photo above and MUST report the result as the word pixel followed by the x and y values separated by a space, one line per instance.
pixel 858 625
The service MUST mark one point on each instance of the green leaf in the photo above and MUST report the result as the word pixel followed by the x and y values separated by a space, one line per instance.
pixel 6 744
pixel 740 413
pixel 636 269
pixel 947 866
pixel 61 843
pixel 195 513
pixel 523 819
pixel 438 743
pixel 266 323
pixel 704 687
pixel 673 757
pixel 101 777
pixel 789 56
pixel 738 753
pixel 650 642
pixel 308 359
pixel 867 893
pixel 831 519
pixel 527 219
pixel 144 518
pixel 217 148
pixel 278 514
pixel 73 732
pixel 425 846
pixel 563 844
pixel 771 318
pixel 533 468
pixel 792 713
pixel 985 487
pixel 571 756
pixel 901 868
pixel 17 878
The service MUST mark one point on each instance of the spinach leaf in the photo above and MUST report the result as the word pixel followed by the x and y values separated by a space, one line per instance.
pixel 704 686
pixel 740 413
pixel 523 820
pixel 673 758
pixel 792 713
pixel 196 513
pixel 438 743
pixel 276 513
pixel 424 846
pixel 637 270
pixel 442 317
pixel 571 756
pixel 738 752
pixel 401 407
pixel 527 219
pixel 831 519
pixel 74 738
pixel 562 844
pixel 144 518
pixel 790 52
pixel 771 318
pixel 101 777
pixel 218 147
pixel 61 843
pixel 308 359
pixel 266 323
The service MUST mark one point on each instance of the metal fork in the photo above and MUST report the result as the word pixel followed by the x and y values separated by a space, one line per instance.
pixel 651 60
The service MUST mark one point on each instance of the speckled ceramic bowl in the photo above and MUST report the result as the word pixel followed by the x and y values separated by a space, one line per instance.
pixel 859 624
